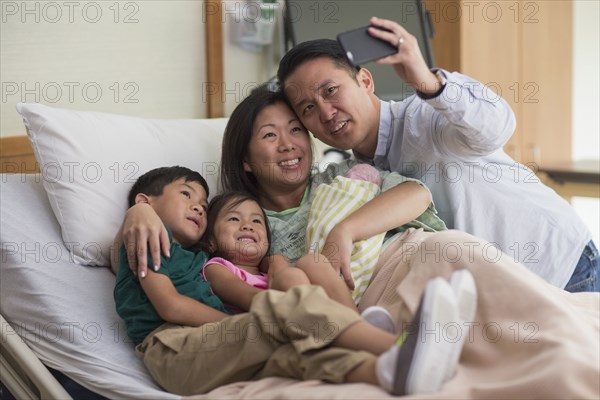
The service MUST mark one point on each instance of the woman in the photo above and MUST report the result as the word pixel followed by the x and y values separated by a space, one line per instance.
pixel 267 151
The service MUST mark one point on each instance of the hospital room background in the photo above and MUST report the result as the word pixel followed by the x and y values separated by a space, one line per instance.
pixel 148 59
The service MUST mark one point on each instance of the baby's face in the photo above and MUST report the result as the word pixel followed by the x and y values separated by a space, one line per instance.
pixel 182 207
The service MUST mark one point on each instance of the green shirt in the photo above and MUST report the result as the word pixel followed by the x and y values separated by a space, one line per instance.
pixel 288 228
pixel 182 268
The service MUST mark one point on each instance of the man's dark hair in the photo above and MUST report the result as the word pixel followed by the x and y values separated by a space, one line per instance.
pixel 310 50
pixel 228 200
pixel 154 181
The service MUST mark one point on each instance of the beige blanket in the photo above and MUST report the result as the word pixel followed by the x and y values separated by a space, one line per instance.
pixel 529 339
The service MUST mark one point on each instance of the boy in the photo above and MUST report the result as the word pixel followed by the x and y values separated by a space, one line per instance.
pixel 190 345
pixel 179 196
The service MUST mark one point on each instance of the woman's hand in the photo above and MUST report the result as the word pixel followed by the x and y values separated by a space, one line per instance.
pixel 408 61
pixel 338 250
pixel 143 227
pixel 390 209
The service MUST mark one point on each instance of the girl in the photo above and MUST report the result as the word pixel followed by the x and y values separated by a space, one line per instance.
pixel 238 237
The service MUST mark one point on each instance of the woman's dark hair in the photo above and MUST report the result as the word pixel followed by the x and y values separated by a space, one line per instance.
pixel 236 139
pixel 310 50
pixel 228 200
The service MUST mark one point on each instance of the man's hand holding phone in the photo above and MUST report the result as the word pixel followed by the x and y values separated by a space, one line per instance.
pixel 390 43
pixel 361 47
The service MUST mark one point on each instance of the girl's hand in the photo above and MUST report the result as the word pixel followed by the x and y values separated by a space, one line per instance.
pixel 143 227
pixel 338 250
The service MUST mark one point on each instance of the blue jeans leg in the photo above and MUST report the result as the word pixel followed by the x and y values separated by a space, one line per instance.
pixel 586 277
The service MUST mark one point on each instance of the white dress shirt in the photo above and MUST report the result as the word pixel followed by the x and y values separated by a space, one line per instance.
pixel 453 143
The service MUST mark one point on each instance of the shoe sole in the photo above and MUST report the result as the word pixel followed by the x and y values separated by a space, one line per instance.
pixel 463 285
pixel 465 291
pixel 431 360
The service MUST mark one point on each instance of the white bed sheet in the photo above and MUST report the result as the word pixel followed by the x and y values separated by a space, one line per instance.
pixel 77 331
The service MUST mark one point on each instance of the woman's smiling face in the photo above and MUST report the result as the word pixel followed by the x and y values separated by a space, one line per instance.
pixel 279 153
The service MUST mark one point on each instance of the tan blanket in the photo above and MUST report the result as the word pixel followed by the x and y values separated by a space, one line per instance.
pixel 529 339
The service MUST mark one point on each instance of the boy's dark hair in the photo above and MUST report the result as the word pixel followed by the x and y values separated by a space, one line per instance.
pixel 154 181
pixel 236 139
pixel 310 50
pixel 229 200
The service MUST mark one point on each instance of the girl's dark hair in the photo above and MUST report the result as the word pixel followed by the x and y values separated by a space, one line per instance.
pixel 229 200
pixel 154 181
pixel 236 139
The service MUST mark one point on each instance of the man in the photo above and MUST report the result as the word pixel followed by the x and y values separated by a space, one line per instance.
pixel 450 136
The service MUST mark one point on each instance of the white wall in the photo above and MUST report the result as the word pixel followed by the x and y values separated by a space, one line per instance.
pixel 243 70
pixel 143 58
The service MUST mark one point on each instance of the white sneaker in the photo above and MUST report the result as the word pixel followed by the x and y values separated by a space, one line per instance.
pixel 421 357
pixel 465 291
pixel 379 317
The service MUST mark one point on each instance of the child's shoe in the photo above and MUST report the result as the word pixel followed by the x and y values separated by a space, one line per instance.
pixel 463 285
pixel 379 317
pixel 421 358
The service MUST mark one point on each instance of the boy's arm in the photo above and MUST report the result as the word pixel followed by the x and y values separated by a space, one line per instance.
pixel 174 307
pixel 230 289
pixel 390 209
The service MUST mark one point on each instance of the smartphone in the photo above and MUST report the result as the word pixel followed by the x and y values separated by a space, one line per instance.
pixel 361 48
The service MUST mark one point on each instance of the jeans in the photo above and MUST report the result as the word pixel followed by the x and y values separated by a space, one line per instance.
pixel 586 277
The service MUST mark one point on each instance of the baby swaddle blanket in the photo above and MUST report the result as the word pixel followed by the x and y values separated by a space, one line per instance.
pixel 332 203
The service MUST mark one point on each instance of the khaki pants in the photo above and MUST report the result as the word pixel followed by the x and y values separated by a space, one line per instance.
pixel 285 334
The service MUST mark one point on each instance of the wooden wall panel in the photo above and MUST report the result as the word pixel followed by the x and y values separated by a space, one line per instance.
pixel 214 59
pixel 547 82
pixel 16 155
pixel 521 49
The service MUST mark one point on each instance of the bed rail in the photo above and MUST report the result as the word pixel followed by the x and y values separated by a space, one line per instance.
pixel 22 372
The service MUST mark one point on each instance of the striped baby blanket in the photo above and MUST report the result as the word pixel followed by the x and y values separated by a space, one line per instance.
pixel 332 203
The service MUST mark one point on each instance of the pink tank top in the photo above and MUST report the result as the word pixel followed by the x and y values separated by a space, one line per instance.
pixel 258 281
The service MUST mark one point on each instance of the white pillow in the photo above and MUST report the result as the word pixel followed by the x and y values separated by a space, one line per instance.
pixel 89 160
